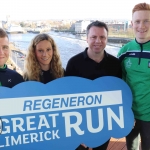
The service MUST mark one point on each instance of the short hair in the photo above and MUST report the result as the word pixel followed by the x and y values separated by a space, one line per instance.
pixel 3 33
pixel 32 67
pixel 96 24
pixel 141 6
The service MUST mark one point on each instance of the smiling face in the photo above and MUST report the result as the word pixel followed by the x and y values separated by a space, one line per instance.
pixel 97 39
pixel 141 25
pixel 4 51
pixel 44 54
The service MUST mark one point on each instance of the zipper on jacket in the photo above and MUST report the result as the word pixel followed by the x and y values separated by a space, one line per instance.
pixel 141 45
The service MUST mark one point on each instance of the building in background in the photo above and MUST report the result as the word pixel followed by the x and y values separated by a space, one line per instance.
pixel 15 29
pixel 8 20
pixel 124 25
pixel 80 26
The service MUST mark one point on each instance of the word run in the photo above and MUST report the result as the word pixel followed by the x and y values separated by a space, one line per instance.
pixel 50 121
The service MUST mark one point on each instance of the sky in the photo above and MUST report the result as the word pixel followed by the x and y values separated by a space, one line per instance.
pixel 67 9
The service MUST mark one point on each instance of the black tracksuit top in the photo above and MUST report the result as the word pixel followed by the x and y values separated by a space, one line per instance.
pixel 9 78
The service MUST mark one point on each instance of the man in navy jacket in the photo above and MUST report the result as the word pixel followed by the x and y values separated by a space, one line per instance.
pixel 8 77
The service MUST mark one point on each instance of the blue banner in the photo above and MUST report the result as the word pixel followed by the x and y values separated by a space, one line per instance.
pixel 64 113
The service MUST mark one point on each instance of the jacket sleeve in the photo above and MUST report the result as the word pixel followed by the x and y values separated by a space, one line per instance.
pixel 121 56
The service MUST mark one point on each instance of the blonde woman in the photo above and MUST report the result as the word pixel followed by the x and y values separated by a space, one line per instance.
pixel 43 61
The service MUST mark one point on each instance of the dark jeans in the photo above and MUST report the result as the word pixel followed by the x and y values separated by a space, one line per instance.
pixel 141 129
pixel 102 147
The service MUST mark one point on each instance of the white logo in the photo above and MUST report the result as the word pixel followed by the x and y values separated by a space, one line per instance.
pixel 9 80
pixel 132 54
pixel 128 63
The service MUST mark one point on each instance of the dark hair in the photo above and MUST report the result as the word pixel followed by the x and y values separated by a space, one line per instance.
pixel 96 24
pixel 3 33
pixel 141 6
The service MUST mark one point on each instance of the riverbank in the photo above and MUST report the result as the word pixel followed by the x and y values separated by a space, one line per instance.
pixel 112 41
pixel 66 45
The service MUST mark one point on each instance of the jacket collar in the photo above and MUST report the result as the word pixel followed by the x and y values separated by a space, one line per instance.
pixel 4 68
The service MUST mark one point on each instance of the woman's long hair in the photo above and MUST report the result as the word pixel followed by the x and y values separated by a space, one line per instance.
pixel 32 66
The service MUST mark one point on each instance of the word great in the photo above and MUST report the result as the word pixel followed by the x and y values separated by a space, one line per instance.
pixel 50 124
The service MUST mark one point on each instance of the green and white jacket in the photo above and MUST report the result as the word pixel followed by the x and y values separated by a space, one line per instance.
pixel 135 61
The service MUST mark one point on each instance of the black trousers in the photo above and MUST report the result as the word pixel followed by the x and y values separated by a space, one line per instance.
pixel 141 129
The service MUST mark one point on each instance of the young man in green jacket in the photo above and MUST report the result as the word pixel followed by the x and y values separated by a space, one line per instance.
pixel 135 61
pixel 8 77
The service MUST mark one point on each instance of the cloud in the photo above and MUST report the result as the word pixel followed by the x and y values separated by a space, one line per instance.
pixel 64 113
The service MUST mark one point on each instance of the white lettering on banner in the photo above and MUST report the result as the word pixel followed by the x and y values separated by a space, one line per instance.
pixel 39 124
pixel 30 138
pixel 14 141
pixel 7 128
pixel 7 141
pixel 37 104
pixel 1 146
pixel 76 126
pixel 49 121
pixel 53 119
pixel 100 119
pixel 17 123
pixel 34 137
pixel 43 122
pixel 111 115
pixel 30 123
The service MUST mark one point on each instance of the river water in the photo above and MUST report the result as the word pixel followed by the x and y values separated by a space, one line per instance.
pixel 68 45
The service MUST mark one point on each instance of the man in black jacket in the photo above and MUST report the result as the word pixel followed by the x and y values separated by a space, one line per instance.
pixel 94 62
pixel 8 77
